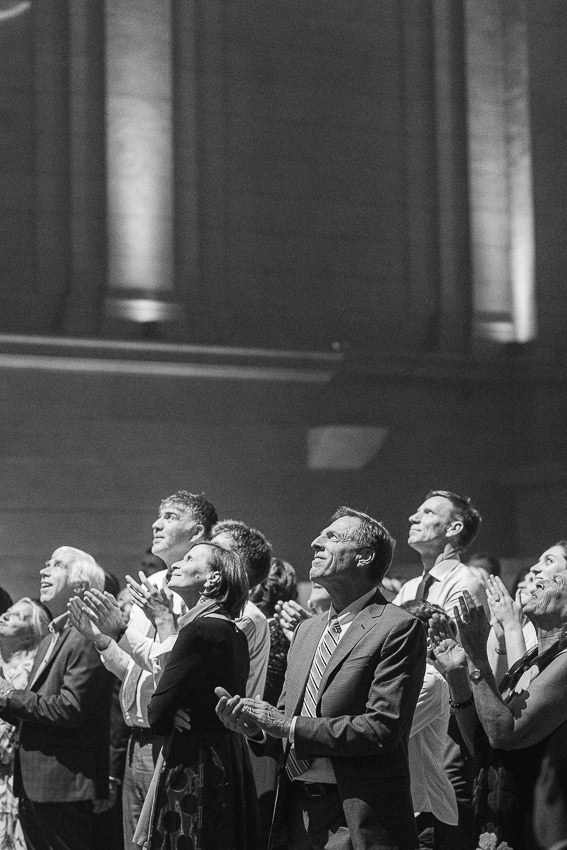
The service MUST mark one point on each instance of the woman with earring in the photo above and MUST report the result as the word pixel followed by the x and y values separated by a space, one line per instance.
pixel 22 627
pixel 205 793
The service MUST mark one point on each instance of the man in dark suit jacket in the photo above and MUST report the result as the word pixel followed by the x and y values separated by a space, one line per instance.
pixel 347 741
pixel 61 764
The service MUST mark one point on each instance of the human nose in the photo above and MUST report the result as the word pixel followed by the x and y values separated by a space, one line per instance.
pixel 45 569
pixel 158 523
pixel 318 542
pixel 414 517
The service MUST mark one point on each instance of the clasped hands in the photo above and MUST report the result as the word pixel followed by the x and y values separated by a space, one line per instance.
pixel 251 717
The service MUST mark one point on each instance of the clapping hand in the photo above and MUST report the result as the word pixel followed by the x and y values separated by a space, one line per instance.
pixel 448 652
pixel 104 611
pixel 229 710
pixel 289 615
pixel 473 627
pixel 506 612
pixel 153 601
pixel 81 620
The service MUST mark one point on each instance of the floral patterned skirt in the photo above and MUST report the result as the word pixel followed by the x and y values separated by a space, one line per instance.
pixel 207 799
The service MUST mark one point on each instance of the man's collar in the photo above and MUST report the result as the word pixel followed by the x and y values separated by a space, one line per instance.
pixel 59 623
pixel 443 567
pixel 349 613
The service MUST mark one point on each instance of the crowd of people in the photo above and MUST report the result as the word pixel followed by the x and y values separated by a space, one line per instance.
pixel 203 707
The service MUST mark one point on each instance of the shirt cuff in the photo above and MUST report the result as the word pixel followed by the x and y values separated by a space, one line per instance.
pixel 292 730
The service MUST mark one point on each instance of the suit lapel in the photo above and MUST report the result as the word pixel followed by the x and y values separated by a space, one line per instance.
pixel 307 644
pixel 38 674
pixel 360 626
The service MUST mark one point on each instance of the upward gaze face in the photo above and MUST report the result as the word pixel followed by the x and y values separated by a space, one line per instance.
pixel 173 531
pixel 430 522
pixel 334 549
pixel 193 570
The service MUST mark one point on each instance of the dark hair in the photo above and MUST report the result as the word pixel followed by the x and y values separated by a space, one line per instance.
pixel 231 589
pixel 371 534
pixel 201 509
pixel 492 561
pixel 279 586
pixel 463 510
pixel 424 610
pixel 5 600
pixel 251 547
pixel 111 584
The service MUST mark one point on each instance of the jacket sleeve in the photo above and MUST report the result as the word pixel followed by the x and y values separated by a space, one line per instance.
pixel 185 668
pixel 379 726
pixel 73 682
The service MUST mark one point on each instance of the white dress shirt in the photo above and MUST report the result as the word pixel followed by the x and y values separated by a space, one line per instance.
pixel 431 789
pixel 451 577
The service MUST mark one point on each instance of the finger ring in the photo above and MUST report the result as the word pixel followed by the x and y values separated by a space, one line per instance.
pixel 497 599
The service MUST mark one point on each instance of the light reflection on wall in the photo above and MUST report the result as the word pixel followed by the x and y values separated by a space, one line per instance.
pixel 502 231
pixel 12 10
pixel 139 147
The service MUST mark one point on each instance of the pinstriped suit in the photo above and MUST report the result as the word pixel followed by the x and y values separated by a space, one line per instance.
pixel 366 702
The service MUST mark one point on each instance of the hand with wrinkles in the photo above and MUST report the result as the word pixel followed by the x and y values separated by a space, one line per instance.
pixel 251 715
pixel 104 611
pixel 290 614
pixel 153 601
pixel 506 612
pixel 80 619
pixel 230 711
pixel 473 627
pixel 449 654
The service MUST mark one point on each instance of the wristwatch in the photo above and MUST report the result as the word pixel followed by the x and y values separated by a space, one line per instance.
pixel 476 675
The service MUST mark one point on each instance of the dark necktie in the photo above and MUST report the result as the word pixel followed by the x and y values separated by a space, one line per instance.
pixel 294 766
pixel 423 586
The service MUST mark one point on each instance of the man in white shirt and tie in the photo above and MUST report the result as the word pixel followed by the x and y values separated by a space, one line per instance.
pixel 184 519
pixel 441 529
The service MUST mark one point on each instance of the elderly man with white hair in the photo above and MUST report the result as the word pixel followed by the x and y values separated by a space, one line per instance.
pixel 62 716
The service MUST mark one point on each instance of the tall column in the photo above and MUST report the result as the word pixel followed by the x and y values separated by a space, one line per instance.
pixel 52 165
pixel 455 302
pixel 84 308
pixel 422 249
pixel 139 130
pixel 500 171
pixel 186 122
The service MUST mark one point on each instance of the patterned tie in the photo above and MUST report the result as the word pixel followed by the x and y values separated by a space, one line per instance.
pixel 423 586
pixel 294 766
pixel 130 687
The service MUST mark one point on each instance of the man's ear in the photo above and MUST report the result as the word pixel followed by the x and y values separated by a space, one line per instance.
pixel 79 587
pixel 455 527
pixel 364 557
pixel 198 532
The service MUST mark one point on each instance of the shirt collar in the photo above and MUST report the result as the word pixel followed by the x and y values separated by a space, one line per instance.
pixel 444 567
pixel 348 614
pixel 59 623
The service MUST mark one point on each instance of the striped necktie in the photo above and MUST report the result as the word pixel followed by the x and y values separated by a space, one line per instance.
pixel 331 636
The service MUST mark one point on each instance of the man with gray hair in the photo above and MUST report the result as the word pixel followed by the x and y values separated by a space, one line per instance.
pixel 62 717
